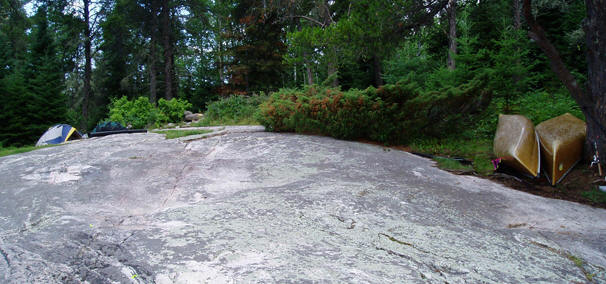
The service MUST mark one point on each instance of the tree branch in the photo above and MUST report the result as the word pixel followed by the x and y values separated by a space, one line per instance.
pixel 555 61
pixel 309 19
pixel 431 10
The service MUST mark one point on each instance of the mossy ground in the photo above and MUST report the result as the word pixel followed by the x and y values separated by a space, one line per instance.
pixel 171 134
pixel 18 150
pixel 226 121
pixel 479 152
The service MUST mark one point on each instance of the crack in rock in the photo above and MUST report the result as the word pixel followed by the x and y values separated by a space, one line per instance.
pixel 403 243
pixel 580 263
pixel 5 257
pixel 97 258
pixel 352 223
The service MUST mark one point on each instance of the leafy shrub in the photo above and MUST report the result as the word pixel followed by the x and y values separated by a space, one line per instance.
pixel 173 109
pixel 235 109
pixel 140 113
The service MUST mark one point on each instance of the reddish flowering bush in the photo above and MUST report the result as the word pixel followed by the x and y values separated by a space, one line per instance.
pixel 391 114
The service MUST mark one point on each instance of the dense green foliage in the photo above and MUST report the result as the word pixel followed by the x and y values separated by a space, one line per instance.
pixel 32 95
pixel 233 110
pixel 393 113
pixel 199 51
pixel 173 109
pixel 140 113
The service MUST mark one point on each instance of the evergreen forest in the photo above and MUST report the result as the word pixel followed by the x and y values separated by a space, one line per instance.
pixel 431 67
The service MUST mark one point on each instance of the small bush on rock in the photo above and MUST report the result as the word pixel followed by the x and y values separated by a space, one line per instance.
pixel 173 109
pixel 235 109
pixel 140 113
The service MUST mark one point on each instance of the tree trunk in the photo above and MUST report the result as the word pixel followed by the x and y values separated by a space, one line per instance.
pixel 332 70
pixel 87 65
pixel 153 80
pixel 377 70
pixel 220 62
pixel 557 65
pixel 452 33
pixel 517 21
pixel 169 56
pixel 220 47
pixel 153 72
pixel 332 56
pixel 595 38
pixel 310 76
pixel 593 102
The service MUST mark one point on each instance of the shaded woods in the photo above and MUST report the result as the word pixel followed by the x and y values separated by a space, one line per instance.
pixel 67 60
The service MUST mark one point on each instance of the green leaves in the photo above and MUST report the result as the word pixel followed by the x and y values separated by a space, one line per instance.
pixel 233 110
pixel 140 113
pixel 173 109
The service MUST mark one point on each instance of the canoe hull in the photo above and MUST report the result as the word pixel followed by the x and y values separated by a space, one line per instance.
pixel 517 145
pixel 561 139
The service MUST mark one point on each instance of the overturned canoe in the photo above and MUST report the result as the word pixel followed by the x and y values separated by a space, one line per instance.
pixel 517 144
pixel 562 140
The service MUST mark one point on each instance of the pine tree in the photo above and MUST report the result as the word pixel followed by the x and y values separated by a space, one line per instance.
pixel 257 59
pixel 16 116
pixel 15 98
pixel 44 77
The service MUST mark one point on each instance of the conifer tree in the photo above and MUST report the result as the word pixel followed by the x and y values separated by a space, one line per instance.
pixel 14 95
pixel 44 76
pixel 257 58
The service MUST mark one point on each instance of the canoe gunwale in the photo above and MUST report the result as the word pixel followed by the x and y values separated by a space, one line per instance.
pixel 539 153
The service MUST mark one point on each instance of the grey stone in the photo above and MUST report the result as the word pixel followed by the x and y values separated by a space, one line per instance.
pixel 249 206
pixel 193 117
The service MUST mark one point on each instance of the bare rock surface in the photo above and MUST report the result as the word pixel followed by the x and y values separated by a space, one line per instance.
pixel 250 206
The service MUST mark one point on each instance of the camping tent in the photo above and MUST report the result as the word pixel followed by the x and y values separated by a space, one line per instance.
pixel 58 134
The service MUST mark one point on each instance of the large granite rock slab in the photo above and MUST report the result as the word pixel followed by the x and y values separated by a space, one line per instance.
pixel 249 206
